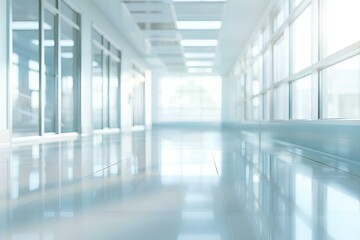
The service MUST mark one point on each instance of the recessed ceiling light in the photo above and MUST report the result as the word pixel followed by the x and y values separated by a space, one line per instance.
pixel 199 43
pixel 199 64
pixel 188 25
pixel 199 55
pixel 199 70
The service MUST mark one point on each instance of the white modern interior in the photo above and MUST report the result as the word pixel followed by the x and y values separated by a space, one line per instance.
pixel 180 119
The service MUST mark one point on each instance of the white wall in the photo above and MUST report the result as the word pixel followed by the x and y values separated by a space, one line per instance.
pixel 4 132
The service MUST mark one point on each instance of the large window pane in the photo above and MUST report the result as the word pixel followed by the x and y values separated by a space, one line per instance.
pixel 281 102
pixel 68 12
pixel 51 71
pixel 114 94
pixel 256 108
pixel 257 76
pixel 280 62
pixel 139 78
pixel 301 98
pixel 106 92
pixel 279 18
pixel 25 75
pixel 340 24
pixel 97 87
pixel 301 47
pixel 188 98
pixel 69 81
pixel 267 69
pixel 267 105
pixel 105 84
pixel 341 90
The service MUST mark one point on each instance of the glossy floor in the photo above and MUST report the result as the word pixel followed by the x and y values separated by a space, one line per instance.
pixel 181 184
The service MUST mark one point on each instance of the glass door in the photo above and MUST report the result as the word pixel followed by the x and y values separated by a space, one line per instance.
pixel 105 84
pixel 51 63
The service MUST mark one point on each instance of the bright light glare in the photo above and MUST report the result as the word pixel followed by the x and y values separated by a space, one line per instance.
pixel 199 70
pixel 28 25
pixel 199 55
pixel 198 24
pixel 199 43
pixel 342 24
pixel 67 55
pixel 198 64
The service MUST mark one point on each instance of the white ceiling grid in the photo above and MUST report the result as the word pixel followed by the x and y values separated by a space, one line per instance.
pixel 160 21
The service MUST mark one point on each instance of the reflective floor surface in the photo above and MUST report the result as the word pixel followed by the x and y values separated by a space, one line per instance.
pixel 181 184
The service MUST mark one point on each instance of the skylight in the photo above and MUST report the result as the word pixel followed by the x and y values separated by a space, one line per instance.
pixel 188 25
pixel 199 43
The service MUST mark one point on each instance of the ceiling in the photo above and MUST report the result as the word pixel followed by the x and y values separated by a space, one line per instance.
pixel 221 29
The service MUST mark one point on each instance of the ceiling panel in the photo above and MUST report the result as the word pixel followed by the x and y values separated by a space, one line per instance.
pixel 158 21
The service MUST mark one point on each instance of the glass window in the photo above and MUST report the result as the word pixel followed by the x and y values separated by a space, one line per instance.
pixel 52 2
pixel 68 12
pixel 301 47
pixel 249 82
pixel 190 98
pixel 341 90
pixel 281 101
pixel 114 94
pixel 114 51
pixel 69 77
pixel 340 24
pixel 266 33
pixel 256 48
pixel 267 69
pixel 267 105
pixel 105 85
pixel 25 89
pixel 301 98
pixel 256 108
pixel 257 75
pixel 248 109
pixel 297 3
pixel 51 72
pixel 280 63
pixel 97 37
pixel 138 105
pixel 97 87
pixel 279 19
pixel 106 91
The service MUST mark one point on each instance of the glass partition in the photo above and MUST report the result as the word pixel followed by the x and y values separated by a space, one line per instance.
pixel 69 77
pixel 25 75
pixel 106 73
pixel 36 73
pixel 50 72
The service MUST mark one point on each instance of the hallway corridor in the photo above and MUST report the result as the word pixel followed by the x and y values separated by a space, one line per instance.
pixel 173 183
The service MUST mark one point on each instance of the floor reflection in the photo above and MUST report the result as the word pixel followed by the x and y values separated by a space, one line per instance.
pixel 172 184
